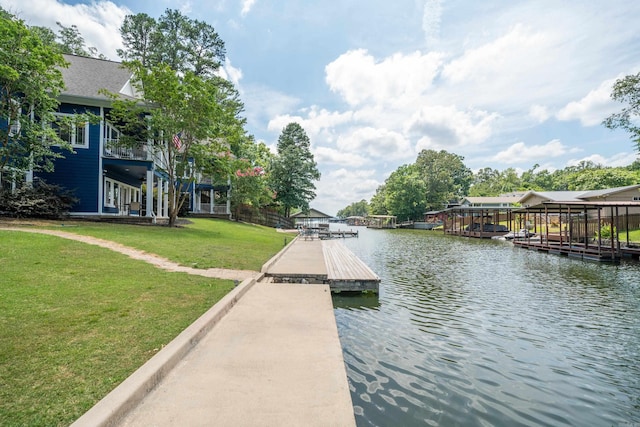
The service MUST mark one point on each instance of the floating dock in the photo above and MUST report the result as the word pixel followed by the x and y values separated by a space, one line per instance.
pixel 334 234
pixel 322 262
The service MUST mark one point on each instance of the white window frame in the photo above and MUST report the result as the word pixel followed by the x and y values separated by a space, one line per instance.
pixel 110 132
pixel 76 132
pixel 117 194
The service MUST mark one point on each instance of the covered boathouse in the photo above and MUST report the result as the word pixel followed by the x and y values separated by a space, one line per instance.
pixel 589 230
pixel 479 222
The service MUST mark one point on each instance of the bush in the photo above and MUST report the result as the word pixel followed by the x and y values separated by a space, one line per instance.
pixel 37 200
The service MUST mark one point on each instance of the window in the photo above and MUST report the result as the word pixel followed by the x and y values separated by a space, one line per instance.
pixel 75 132
pixel 111 133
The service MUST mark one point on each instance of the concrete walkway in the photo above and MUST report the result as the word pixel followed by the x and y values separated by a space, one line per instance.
pixel 274 360
pixel 301 257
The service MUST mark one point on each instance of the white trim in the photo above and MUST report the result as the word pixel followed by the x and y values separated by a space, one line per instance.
pixel 74 132
pixel 100 164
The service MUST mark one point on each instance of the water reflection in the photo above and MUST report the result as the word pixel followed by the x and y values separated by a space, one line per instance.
pixel 355 301
pixel 469 332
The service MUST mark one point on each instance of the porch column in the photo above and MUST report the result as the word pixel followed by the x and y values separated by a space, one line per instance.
pixel 165 212
pixel 149 195
pixel 211 200
pixel 160 197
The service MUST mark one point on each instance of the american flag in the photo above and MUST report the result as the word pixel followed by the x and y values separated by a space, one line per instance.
pixel 177 141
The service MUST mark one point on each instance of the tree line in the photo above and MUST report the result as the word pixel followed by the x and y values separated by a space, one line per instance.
pixel 186 113
pixel 439 178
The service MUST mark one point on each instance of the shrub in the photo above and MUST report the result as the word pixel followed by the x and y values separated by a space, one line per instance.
pixel 37 200
pixel 605 232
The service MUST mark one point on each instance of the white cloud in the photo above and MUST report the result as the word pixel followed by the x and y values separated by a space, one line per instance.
pixel 97 21
pixel 616 160
pixel 378 144
pixel 358 78
pixel 539 113
pixel 229 72
pixel 354 186
pixel 317 122
pixel 519 152
pixel 246 6
pixel 515 52
pixel 431 17
pixel 448 126
pixel 327 155
pixel 593 108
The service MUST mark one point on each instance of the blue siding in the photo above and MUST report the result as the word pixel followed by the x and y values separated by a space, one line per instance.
pixel 80 172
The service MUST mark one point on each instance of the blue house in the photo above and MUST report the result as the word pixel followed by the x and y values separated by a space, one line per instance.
pixel 107 178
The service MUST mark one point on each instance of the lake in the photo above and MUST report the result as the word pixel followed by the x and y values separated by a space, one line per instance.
pixel 468 332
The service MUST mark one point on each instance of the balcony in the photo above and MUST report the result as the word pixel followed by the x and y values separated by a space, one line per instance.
pixel 113 150
pixel 206 208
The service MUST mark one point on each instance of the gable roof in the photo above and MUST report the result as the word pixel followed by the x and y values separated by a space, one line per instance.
pixel 576 196
pixel 313 213
pixel 85 77
pixel 554 196
pixel 607 191
pixel 491 200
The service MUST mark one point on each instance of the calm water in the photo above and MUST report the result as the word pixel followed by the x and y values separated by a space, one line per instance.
pixel 470 333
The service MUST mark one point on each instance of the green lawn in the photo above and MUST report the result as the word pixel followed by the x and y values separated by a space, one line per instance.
pixel 77 319
pixel 203 243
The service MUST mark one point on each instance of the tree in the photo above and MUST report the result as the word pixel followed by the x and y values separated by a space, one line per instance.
pixel 137 33
pixel 72 42
pixel 360 208
pixel 377 206
pixel 406 193
pixel 486 182
pixel 600 178
pixel 445 175
pixel 250 181
pixel 509 181
pixel 31 81
pixel 182 43
pixel 294 170
pixel 191 115
pixel 627 90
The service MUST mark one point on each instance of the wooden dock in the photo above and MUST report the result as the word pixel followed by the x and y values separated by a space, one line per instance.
pixel 573 250
pixel 322 262
pixel 334 234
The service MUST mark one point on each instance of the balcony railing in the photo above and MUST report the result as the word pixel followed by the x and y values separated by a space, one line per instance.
pixel 114 151
pixel 205 208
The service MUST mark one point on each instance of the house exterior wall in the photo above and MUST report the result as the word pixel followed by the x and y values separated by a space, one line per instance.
pixel 79 171
pixel 533 200
pixel 631 195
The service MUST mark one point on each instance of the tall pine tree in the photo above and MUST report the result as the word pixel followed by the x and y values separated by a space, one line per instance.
pixel 294 170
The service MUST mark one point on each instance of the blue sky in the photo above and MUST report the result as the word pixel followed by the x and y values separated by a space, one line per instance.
pixel 502 83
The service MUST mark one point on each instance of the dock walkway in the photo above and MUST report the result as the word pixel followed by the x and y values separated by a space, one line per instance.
pixel 323 261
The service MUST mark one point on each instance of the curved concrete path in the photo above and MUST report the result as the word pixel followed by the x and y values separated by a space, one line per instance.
pixel 158 261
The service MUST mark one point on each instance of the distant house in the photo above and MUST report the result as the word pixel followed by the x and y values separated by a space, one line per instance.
pixel 630 193
pixel 107 178
pixel 310 219
pixel 491 202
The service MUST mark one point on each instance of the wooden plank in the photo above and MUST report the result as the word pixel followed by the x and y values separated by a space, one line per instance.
pixel 343 265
